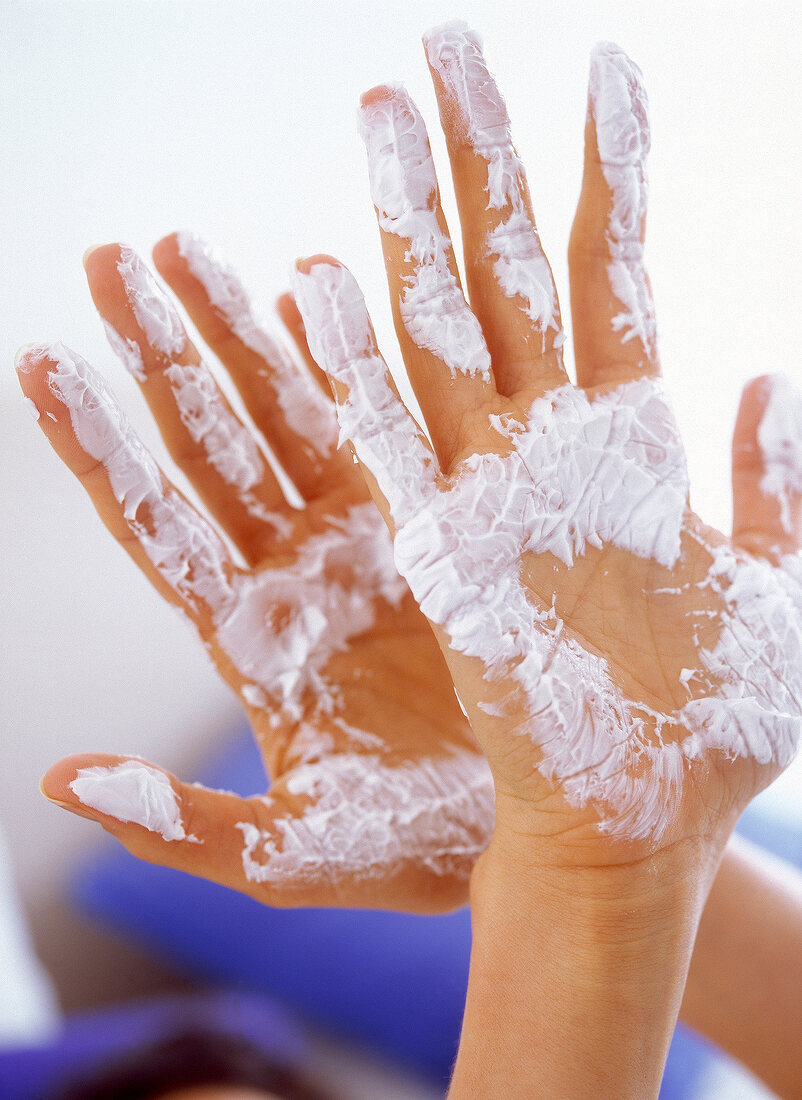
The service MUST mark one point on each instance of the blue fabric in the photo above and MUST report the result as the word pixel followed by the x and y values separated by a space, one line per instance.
pixel 392 982
pixel 90 1040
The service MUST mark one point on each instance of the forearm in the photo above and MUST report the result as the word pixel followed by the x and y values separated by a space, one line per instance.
pixel 744 988
pixel 576 977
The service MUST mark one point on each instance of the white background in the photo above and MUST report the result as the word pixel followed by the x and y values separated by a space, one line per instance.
pixel 129 120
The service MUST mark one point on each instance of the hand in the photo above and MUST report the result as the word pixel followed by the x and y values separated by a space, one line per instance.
pixel 379 795
pixel 634 676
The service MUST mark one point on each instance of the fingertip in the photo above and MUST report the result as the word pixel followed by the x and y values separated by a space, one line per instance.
pixel 285 304
pixel 305 264
pixel 166 252
pixel 34 364
pixel 119 792
pixel 287 309
pixel 755 396
pixel 28 358
pixel 88 252
pixel 98 257
pixel 381 93
pixel 55 783
pixel 767 465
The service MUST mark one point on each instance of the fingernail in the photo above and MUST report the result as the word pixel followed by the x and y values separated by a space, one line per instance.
pixel 79 811
pixel 92 248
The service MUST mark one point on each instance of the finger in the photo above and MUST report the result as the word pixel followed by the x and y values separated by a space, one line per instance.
pixel 211 834
pixel 294 323
pixel 172 544
pixel 767 467
pixel 443 347
pixel 510 283
pixel 203 433
pixel 395 455
pixel 615 335
pixel 285 404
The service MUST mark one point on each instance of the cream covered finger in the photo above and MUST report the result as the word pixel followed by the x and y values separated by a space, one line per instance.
pixel 441 340
pixel 290 315
pixel 348 829
pixel 510 282
pixel 393 451
pixel 181 825
pixel 615 329
pixel 767 466
pixel 169 540
pixel 284 402
pixel 203 433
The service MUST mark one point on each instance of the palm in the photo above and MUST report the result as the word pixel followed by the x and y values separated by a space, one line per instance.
pixel 618 660
pixel 374 770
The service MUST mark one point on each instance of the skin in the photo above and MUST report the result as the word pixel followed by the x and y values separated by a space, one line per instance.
pixel 744 990
pixel 577 930
pixel 547 858
pixel 391 681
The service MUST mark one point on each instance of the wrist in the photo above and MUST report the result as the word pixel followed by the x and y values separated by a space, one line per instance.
pixel 615 901
pixel 577 972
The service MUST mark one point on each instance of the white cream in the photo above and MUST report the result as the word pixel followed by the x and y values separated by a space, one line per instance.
pixel 579 473
pixel 367 819
pixel 211 423
pixel 754 672
pixel 779 437
pixel 279 627
pixel 477 113
pixel 230 447
pixel 132 792
pixel 127 351
pixel 154 311
pixel 286 623
pixel 183 548
pixel 305 408
pixel 619 107
pixel 30 407
pixel 404 190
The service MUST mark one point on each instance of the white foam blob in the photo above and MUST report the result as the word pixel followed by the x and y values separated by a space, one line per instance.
pixel 365 819
pixel 132 792
pixel 478 113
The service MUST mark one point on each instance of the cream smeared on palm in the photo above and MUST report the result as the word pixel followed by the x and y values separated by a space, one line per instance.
pixel 629 670
pixel 379 795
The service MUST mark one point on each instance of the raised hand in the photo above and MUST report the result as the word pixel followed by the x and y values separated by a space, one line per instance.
pixel 379 795
pixel 634 676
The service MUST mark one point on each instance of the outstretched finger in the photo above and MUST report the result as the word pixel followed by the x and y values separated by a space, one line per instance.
pixel 212 834
pixel 441 340
pixel 285 404
pixel 395 455
pixel 767 467
pixel 294 323
pixel 615 335
pixel 170 541
pixel 510 283
pixel 204 435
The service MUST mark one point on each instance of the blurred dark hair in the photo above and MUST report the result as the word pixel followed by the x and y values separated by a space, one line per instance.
pixel 187 1058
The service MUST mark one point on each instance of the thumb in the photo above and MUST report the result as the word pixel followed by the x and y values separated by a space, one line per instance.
pixel 767 466
pixel 181 825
